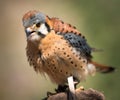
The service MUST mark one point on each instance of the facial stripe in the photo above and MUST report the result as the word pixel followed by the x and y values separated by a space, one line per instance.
pixel 48 27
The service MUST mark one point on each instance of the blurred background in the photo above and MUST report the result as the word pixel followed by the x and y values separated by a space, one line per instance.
pixel 98 20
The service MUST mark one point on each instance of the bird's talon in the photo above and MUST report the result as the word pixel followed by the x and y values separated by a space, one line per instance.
pixel 82 88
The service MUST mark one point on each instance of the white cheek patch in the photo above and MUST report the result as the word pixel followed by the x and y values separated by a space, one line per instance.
pixel 43 29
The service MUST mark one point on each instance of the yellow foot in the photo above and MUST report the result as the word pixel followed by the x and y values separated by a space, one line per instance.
pixel 81 88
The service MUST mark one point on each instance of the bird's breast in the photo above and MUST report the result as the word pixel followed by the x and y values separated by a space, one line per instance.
pixel 59 59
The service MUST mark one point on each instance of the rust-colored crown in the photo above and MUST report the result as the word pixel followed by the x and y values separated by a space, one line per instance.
pixel 29 14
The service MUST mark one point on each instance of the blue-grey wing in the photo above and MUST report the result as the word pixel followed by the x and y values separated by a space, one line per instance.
pixel 79 43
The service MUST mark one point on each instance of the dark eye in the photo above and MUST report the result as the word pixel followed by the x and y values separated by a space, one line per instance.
pixel 38 25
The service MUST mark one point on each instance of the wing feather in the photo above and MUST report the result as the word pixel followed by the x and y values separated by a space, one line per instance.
pixel 79 44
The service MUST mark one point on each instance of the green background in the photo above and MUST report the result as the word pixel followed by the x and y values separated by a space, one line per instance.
pixel 98 20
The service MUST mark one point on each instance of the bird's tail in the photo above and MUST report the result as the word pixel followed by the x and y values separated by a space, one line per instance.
pixel 102 68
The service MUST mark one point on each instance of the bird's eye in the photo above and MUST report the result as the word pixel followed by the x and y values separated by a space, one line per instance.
pixel 38 25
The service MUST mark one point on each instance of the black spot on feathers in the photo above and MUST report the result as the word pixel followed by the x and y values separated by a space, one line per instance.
pixel 79 43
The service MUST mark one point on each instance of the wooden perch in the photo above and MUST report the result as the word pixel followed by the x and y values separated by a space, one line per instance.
pixel 89 94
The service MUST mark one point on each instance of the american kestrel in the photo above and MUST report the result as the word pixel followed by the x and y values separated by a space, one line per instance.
pixel 58 49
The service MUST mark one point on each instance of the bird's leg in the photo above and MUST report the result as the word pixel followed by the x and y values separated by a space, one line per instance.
pixel 64 88
pixel 76 82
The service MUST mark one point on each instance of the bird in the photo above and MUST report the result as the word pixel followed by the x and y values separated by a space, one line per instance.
pixel 58 49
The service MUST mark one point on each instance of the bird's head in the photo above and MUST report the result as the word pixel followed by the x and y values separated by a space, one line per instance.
pixel 35 24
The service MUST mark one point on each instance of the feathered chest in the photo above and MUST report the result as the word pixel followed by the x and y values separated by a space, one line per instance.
pixel 59 56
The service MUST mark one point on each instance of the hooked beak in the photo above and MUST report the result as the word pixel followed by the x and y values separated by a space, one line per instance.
pixel 29 31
